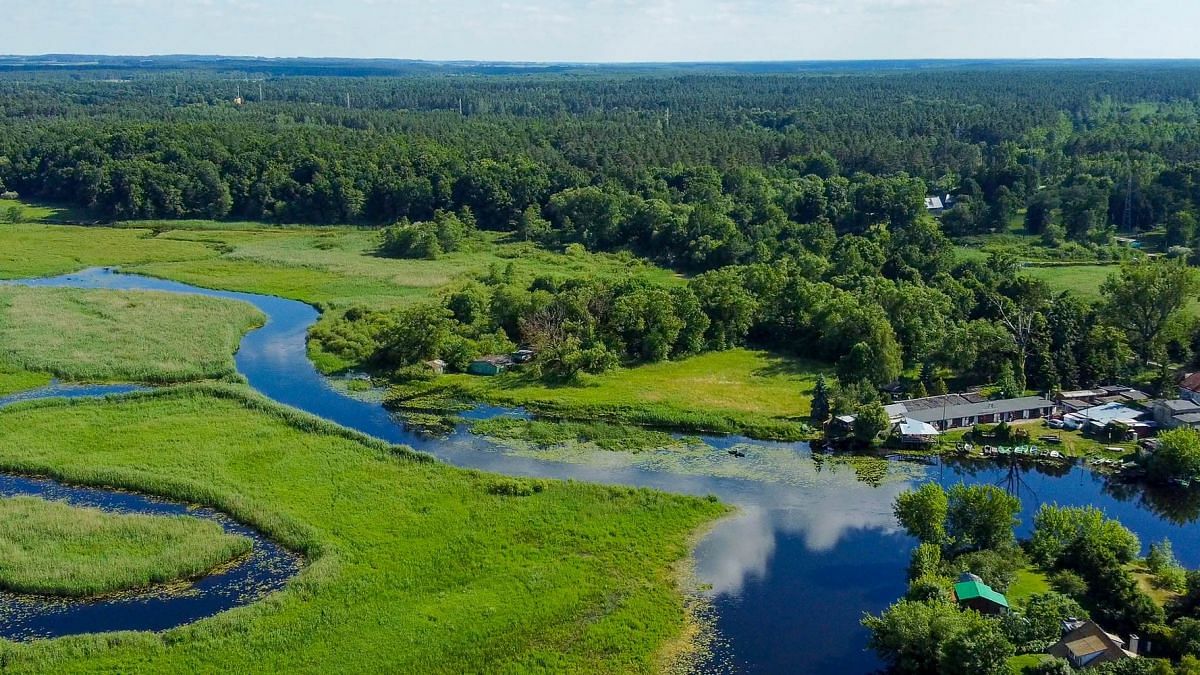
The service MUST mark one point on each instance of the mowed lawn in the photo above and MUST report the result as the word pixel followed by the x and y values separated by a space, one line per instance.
pixel 414 567
pixel 740 381
pixel 104 335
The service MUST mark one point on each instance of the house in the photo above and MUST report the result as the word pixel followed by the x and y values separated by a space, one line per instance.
pixel 490 365
pixel 1177 413
pixel 954 411
pixel 970 592
pixel 935 205
pixel 1085 644
pixel 436 366
pixel 1189 388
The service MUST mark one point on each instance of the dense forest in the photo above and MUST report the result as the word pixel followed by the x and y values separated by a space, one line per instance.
pixel 793 201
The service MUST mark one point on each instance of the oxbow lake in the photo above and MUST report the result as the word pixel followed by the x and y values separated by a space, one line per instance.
pixel 813 546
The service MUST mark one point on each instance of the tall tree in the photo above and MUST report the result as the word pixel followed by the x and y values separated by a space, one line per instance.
pixel 1145 296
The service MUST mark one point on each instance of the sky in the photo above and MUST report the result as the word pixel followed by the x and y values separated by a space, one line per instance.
pixel 607 30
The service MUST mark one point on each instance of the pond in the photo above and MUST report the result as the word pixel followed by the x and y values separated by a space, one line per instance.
pixel 813 546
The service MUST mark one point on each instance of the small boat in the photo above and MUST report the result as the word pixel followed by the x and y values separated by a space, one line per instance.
pixel 737 453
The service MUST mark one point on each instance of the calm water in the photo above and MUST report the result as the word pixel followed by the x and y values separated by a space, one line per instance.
pixel 267 568
pixel 790 575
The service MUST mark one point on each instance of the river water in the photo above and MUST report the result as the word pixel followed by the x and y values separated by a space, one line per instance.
pixel 814 544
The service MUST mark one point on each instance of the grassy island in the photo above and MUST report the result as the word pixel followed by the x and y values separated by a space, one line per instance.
pixel 117 335
pixel 52 548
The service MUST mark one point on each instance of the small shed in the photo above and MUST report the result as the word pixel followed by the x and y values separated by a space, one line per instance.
pixel 436 366
pixel 972 593
pixel 489 366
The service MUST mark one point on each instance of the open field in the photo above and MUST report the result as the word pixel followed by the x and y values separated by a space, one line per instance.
pixel 120 336
pixel 1082 280
pixel 415 566
pixel 747 388
pixel 329 266
pixel 51 548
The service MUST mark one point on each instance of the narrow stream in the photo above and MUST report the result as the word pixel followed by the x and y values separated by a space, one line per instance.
pixel 814 545
pixel 266 568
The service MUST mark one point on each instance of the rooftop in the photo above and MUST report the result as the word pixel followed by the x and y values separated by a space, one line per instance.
pixel 970 590
pixel 953 406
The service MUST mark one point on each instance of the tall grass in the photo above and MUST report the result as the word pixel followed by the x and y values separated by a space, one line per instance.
pixel 101 335
pixel 51 548
pixel 415 566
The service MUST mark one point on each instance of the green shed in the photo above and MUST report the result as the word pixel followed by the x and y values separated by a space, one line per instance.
pixel 979 596
pixel 489 365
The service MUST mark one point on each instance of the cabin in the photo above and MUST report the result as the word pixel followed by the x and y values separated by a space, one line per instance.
pixel 935 205
pixel 970 592
pixel 489 366
pixel 1085 644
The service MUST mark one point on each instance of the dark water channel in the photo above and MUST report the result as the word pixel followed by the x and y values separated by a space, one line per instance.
pixel 812 547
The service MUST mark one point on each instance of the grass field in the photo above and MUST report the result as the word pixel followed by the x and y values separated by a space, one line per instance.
pixel 13 379
pixel 1082 280
pixel 1028 583
pixel 741 389
pixel 332 267
pixel 101 335
pixel 51 548
pixel 415 566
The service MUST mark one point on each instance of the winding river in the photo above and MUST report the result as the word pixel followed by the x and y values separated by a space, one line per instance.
pixel 814 544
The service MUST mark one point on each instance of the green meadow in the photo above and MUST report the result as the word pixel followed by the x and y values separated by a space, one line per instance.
pixel 102 335
pixel 735 390
pixel 414 566
pixel 51 548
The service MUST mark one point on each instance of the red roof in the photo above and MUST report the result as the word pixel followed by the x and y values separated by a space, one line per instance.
pixel 1191 382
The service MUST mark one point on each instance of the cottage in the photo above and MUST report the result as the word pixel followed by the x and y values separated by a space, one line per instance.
pixel 935 205
pixel 1189 387
pixel 1085 644
pixel 972 593
pixel 954 411
pixel 489 366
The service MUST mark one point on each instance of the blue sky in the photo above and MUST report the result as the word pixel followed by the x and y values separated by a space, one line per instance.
pixel 607 30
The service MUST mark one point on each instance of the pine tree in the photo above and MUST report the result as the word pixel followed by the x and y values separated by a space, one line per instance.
pixel 820 403
pixel 920 391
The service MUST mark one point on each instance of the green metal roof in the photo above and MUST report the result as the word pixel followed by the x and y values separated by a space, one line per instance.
pixel 969 590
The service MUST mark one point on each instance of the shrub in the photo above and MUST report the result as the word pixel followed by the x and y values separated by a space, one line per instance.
pixel 514 487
